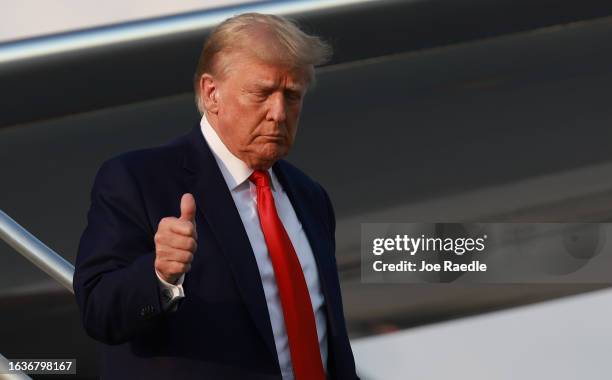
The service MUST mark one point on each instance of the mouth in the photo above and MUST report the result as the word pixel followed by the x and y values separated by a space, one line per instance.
pixel 273 138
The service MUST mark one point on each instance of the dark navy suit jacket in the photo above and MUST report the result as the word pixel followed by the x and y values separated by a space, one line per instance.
pixel 221 330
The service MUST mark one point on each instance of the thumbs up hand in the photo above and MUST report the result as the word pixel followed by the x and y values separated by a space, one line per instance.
pixel 176 242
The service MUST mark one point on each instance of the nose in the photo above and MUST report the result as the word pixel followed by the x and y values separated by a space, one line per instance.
pixel 277 109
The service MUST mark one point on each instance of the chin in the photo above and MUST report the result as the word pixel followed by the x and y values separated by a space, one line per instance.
pixel 273 152
pixel 266 158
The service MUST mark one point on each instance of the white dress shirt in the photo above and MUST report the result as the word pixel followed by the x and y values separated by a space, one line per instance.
pixel 236 174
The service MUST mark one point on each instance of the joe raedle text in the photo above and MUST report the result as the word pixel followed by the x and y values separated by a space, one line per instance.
pixel 418 254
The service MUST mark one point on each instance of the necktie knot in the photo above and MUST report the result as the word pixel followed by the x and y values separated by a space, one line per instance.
pixel 261 178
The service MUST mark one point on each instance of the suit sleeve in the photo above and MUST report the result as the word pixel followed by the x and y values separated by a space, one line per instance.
pixel 349 363
pixel 331 221
pixel 115 283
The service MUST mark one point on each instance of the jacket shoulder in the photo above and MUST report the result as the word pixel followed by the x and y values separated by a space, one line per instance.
pixel 298 176
pixel 304 183
pixel 142 160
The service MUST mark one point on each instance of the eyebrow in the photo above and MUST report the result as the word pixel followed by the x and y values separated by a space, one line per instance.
pixel 271 85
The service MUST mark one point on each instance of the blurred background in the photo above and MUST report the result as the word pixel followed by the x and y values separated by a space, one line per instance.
pixel 430 111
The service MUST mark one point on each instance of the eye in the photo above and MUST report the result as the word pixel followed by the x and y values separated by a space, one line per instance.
pixel 293 96
pixel 259 95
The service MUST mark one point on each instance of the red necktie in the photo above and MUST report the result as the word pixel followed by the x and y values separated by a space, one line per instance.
pixel 295 299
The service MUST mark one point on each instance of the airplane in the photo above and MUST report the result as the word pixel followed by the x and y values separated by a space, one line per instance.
pixel 458 111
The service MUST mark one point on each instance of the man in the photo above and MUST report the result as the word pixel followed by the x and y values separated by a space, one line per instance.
pixel 211 257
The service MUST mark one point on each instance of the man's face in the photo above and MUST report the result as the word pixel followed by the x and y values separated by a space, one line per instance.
pixel 258 107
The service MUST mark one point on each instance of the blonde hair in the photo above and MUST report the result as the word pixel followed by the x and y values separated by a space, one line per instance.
pixel 286 44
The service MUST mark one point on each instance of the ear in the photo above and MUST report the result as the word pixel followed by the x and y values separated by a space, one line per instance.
pixel 209 93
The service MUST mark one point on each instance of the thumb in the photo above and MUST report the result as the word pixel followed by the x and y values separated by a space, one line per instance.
pixel 188 207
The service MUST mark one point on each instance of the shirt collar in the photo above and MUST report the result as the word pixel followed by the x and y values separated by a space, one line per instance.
pixel 234 170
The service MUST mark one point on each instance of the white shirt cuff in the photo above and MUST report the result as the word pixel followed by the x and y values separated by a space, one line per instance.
pixel 170 293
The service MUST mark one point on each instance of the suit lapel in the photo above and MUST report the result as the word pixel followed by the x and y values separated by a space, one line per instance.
pixel 315 230
pixel 216 205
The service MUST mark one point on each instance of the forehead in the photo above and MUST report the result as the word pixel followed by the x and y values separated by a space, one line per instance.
pixel 248 70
